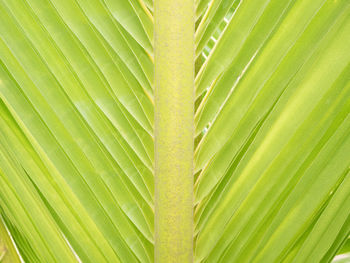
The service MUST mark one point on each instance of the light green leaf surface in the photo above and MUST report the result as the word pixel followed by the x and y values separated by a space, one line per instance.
pixel 275 118
pixel 77 113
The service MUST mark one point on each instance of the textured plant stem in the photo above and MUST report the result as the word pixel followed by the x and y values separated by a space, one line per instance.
pixel 174 128
pixel 8 253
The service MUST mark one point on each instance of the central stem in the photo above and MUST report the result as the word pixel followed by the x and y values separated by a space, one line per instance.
pixel 174 128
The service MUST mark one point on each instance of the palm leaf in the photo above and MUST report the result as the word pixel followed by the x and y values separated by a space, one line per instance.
pixel 275 118
pixel 272 126
pixel 80 117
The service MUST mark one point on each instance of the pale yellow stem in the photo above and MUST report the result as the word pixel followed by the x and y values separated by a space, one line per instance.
pixel 174 126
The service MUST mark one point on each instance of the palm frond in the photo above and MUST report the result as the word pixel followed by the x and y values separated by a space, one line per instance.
pixel 272 126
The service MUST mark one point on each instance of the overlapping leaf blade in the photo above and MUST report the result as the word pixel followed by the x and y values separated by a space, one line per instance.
pixel 77 129
pixel 273 161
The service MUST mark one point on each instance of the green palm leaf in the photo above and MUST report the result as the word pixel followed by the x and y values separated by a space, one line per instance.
pixel 271 125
